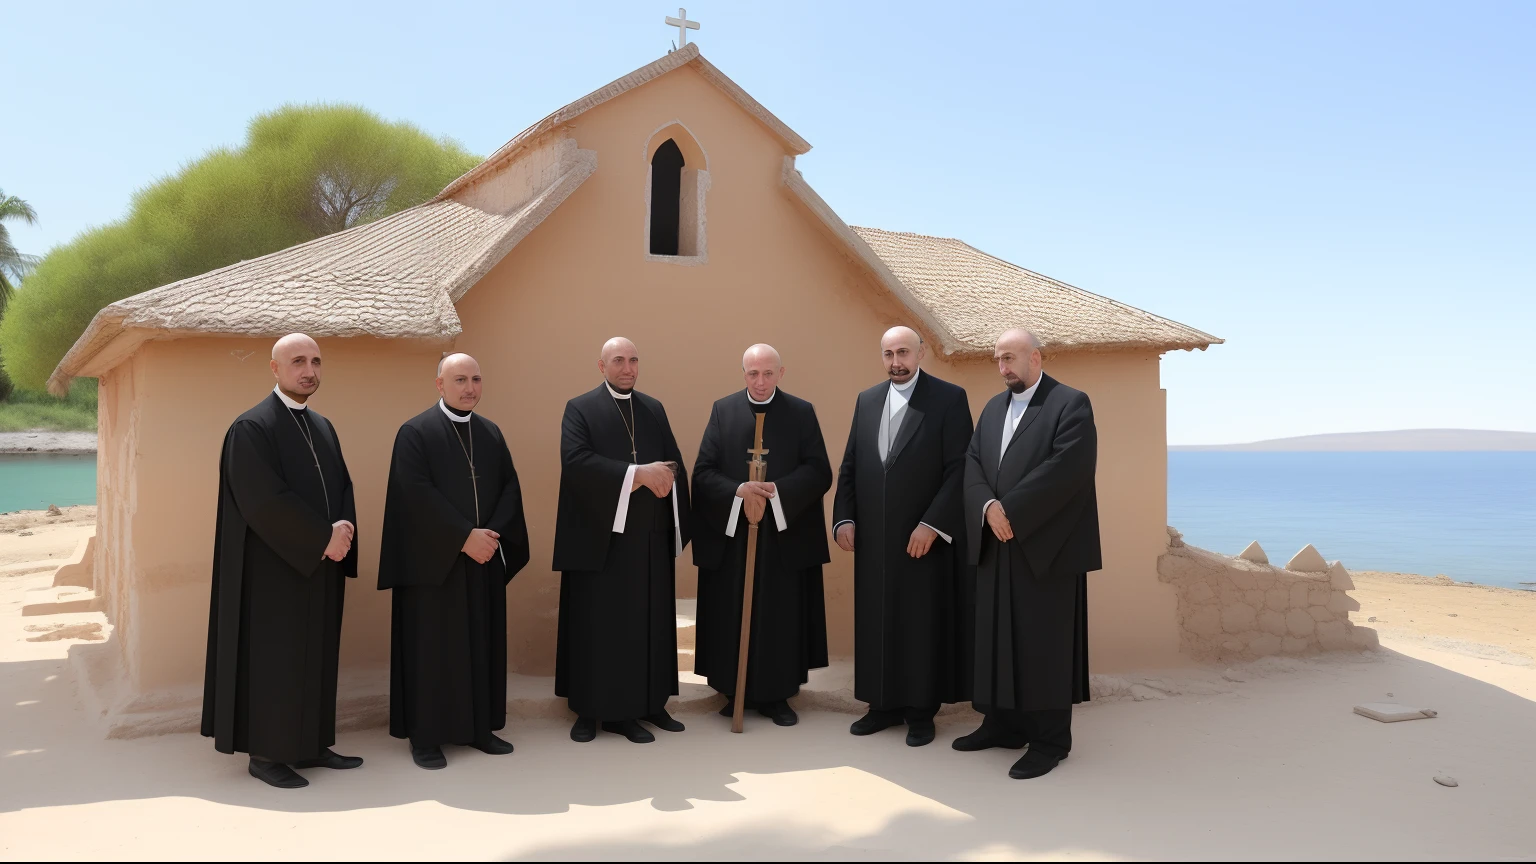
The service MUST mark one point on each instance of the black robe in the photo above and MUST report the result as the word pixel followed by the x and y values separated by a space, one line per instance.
pixel 616 656
pixel 274 617
pixel 789 617
pixel 448 636
pixel 1032 592
pixel 914 618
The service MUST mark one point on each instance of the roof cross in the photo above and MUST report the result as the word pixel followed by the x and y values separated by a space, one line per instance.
pixel 683 25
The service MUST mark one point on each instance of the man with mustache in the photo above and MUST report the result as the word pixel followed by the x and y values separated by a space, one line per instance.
pixel 898 509
pixel 285 544
pixel 1033 521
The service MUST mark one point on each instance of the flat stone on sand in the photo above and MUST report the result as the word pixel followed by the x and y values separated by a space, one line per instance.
pixel 1443 780
pixel 1391 712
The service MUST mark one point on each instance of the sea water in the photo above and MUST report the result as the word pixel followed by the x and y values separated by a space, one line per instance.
pixel 1470 516
pixel 32 481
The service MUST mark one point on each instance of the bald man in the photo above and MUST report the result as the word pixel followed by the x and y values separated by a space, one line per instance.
pixel 898 510
pixel 622 522
pixel 789 619
pixel 454 536
pixel 1033 520
pixel 284 544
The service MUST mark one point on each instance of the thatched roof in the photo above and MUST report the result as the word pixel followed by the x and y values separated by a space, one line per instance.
pixel 975 297
pixel 400 277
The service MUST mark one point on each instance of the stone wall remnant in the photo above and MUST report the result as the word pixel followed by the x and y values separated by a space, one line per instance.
pixel 1243 607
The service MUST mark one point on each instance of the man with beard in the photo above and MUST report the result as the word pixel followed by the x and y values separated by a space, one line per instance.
pixel 899 510
pixel 622 522
pixel 284 546
pixel 789 620
pixel 1034 536
pixel 454 537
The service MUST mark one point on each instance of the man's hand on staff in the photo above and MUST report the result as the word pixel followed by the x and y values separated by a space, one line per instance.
pixel 997 520
pixel 754 497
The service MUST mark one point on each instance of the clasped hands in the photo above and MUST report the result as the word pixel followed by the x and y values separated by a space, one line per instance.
pixel 917 545
pixel 754 495
pixel 342 533
pixel 481 544
pixel 655 476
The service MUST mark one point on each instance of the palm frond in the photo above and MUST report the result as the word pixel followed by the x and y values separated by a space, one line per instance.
pixel 12 207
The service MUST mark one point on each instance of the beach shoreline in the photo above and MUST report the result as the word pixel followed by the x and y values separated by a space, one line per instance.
pixel 48 441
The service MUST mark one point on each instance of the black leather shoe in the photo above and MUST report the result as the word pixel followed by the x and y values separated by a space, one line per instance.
pixel 779 712
pixel 584 730
pixel 920 732
pixel 987 737
pixel 875 721
pixel 630 729
pixel 430 758
pixel 663 721
pixel 493 745
pixel 1031 766
pixel 329 758
pixel 276 774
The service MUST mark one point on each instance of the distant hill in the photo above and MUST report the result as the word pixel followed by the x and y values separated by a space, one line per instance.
pixel 1402 439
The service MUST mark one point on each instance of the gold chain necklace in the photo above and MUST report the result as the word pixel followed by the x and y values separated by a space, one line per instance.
pixel 308 439
pixel 469 456
pixel 633 456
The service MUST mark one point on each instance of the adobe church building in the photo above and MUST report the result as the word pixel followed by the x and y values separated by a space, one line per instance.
pixel 665 207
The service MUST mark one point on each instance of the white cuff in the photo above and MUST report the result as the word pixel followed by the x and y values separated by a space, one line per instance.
pixel 677 526
pixel 841 524
pixel 620 517
pixel 990 502
pixel 946 537
pixel 778 514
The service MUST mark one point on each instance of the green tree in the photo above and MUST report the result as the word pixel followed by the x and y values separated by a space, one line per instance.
pixel 303 172
pixel 13 265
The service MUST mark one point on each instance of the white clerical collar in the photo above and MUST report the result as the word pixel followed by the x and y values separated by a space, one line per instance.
pixel 902 388
pixel 1029 392
pixel 616 394
pixel 765 401
pixel 296 406
pixel 452 416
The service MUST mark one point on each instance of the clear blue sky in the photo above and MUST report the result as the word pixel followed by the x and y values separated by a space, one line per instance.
pixel 1345 191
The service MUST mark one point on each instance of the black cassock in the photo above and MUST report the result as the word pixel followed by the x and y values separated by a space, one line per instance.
pixel 448 639
pixel 616 656
pixel 914 634
pixel 789 618
pixel 1032 592
pixel 274 619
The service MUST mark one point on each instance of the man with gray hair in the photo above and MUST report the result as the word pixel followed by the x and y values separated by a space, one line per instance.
pixel 789 620
pixel 1033 517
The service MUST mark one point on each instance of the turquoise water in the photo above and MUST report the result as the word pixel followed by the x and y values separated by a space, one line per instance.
pixel 1471 516
pixel 32 481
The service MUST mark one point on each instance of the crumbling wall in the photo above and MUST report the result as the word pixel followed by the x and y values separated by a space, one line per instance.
pixel 1243 608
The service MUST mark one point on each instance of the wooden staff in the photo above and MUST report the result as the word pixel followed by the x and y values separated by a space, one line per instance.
pixel 757 472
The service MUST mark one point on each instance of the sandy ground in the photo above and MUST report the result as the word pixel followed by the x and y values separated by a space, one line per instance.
pixel 43 441
pixel 1275 766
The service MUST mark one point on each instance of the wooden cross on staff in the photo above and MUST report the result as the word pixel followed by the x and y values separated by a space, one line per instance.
pixel 757 472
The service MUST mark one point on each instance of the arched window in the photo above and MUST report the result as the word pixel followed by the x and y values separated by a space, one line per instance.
pixel 666 198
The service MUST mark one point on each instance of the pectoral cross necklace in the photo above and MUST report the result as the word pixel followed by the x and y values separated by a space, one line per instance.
pixel 308 439
pixel 469 456
pixel 630 428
